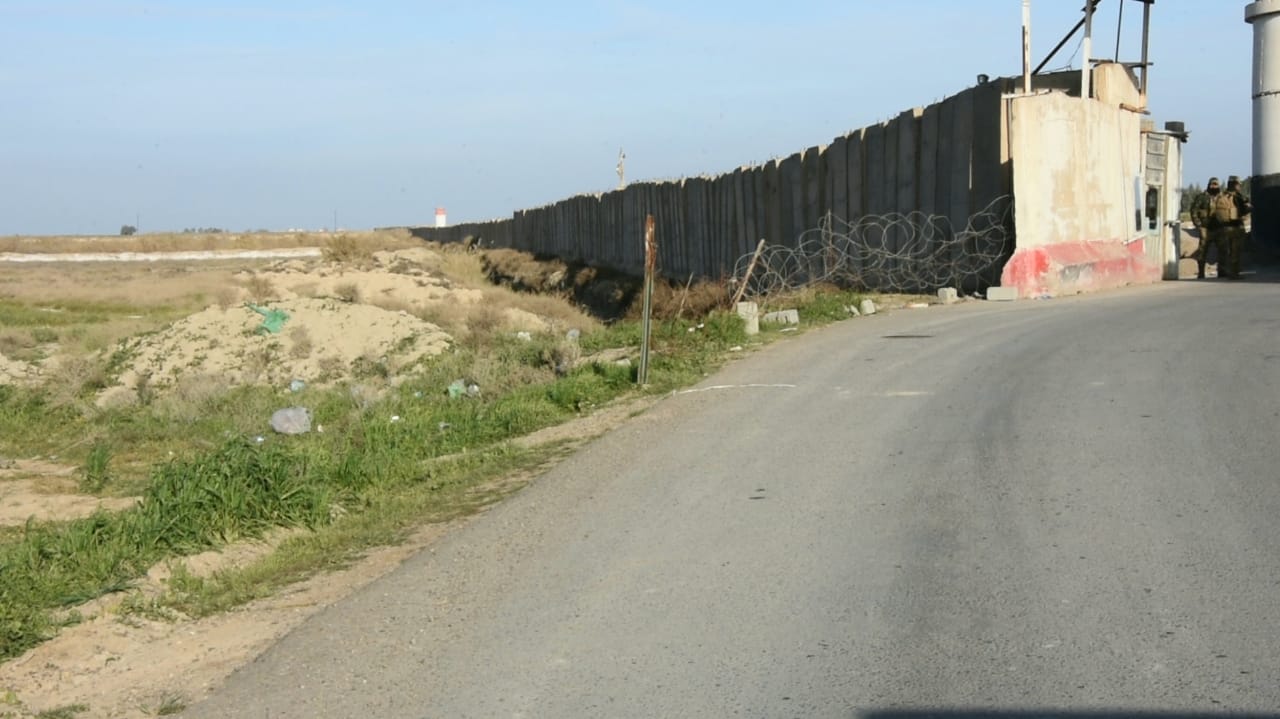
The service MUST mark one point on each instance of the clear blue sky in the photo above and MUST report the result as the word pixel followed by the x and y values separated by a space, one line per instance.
pixel 277 114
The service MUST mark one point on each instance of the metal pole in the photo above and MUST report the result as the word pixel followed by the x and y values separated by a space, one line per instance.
pixel 1146 46
pixel 1026 46
pixel 650 264
pixel 1087 51
pixel 1119 28
pixel 1062 43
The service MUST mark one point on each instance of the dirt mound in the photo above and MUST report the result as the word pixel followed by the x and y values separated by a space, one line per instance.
pixel 321 341
pixel 606 294
pixel 15 371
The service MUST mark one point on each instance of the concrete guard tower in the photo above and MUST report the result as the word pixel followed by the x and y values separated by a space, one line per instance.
pixel 1264 15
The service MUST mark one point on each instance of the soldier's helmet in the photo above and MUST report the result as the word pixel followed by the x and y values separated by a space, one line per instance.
pixel 1233 180
pixel 1213 181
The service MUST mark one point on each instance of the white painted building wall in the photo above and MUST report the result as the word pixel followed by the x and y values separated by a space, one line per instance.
pixel 1075 163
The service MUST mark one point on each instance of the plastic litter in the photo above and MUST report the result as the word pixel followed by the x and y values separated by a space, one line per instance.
pixel 291 420
pixel 473 390
pixel 457 389
pixel 272 319
pixel 573 335
pixel 297 385
pixel 395 418
pixel 527 337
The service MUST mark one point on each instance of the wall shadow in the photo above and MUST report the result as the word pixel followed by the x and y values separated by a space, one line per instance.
pixel 980 713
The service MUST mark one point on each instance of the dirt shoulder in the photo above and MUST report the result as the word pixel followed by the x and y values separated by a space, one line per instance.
pixel 129 666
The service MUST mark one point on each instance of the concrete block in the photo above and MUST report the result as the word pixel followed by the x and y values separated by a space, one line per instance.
pixel 783 317
pixel 948 295
pixel 750 314
pixel 868 307
pixel 1002 294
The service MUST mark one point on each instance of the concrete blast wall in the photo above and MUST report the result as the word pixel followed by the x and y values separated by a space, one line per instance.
pixel 1264 16
pixel 948 159
pixel 1076 165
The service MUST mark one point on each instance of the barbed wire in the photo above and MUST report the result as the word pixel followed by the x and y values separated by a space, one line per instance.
pixel 906 253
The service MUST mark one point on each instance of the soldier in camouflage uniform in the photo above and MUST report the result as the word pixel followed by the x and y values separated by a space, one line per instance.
pixel 1207 215
pixel 1235 232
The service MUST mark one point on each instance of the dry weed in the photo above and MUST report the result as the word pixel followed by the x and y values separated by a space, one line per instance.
pixel 190 397
pixel 495 376
pixel 523 272
pixel 18 345
pixel 483 321
pixel 564 356
pixel 260 288
pixel 461 268
pixel 555 310
pixel 346 249
pixel 393 304
pixel 227 297
pixel 347 292
pixel 331 368
pixel 73 377
pixel 451 318
pixel 301 343
pixel 673 300
pixel 259 360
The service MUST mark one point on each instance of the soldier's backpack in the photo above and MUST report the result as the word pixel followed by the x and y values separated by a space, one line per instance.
pixel 1222 208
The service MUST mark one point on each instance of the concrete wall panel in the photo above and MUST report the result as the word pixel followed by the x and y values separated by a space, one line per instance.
pixel 876 175
pixel 961 168
pixel 837 157
pixel 813 187
pixel 790 197
pixel 908 165
pixel 855 174
pixel 927 177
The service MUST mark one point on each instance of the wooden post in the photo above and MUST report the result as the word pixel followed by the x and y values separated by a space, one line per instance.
pixel 742 285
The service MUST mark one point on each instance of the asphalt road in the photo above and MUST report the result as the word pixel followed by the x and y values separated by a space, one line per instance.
pixel 1070 504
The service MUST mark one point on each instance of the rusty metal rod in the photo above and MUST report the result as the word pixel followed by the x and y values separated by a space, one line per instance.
pixel 650 265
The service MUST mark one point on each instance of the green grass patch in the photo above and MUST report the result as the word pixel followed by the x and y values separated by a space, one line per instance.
pixel 444 490
pixel 70 711
pixel 64 313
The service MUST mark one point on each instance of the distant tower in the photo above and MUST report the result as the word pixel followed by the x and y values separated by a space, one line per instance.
pixel 1264 15
pixel 621 169
pixel 441 219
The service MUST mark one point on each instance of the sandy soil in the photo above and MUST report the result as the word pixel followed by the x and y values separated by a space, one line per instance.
pixel 44 490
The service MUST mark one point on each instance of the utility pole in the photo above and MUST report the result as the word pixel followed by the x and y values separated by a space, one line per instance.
pixel 1086 69
pixel 1026 47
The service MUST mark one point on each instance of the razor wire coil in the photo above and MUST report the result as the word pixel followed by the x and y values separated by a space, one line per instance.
pixel 906 253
